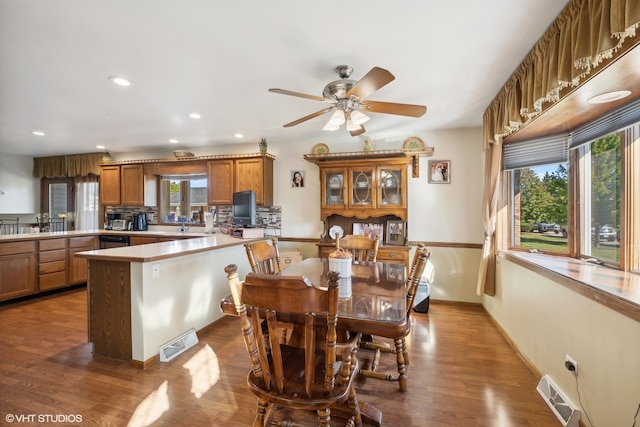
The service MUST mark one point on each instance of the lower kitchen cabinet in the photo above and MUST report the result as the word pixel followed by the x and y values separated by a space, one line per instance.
pixel 78 266
pixel 52 264
pixel 17 269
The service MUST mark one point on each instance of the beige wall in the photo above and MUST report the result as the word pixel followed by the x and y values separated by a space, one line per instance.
pixel 547 321
pixel 19 190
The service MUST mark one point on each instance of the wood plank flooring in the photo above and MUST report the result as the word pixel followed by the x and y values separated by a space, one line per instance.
pixel 462 373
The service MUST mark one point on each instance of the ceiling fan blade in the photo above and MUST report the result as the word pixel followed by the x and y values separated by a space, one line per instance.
pixel 309 117
pixel 371 82
pixel 393 108
pixel 298 94
pixel 358 132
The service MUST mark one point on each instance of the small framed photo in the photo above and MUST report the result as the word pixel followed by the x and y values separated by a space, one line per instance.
pixel 439 171
pixel 372 230
pixel 297 178
pixel 395 233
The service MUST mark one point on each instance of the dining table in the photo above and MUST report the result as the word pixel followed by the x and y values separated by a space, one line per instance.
pixel 372 301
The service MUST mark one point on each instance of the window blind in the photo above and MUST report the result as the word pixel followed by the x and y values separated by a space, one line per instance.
pixel 616 120
pixel 536 152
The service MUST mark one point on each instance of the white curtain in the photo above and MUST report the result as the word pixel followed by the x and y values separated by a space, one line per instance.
pixel 87 203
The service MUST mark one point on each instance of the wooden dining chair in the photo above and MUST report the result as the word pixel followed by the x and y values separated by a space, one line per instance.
pixel 420 258
pixel 363 248
pixel 264 257
pixel 309 371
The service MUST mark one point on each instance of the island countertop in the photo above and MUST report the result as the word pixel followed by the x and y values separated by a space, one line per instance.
pixel 163 250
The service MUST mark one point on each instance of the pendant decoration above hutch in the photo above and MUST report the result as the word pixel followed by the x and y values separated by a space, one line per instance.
pixel 368 190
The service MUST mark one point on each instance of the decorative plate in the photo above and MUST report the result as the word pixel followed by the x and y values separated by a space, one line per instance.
pixel 336 231
pixel 413 143
pixel 320 149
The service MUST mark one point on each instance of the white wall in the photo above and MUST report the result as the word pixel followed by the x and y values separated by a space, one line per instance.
pixel 19 190
pixel 547 321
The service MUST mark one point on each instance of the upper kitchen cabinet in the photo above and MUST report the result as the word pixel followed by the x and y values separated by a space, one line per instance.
pixel 220 179
pixel 255 173
pixel 122 185
pixel 227 176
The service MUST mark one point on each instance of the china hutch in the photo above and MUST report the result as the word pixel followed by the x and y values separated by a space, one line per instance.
pixel 366 193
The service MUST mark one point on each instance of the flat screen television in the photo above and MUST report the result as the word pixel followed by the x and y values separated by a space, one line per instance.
pixel 244 208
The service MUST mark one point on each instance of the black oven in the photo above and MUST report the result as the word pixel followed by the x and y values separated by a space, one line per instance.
pixel 113 241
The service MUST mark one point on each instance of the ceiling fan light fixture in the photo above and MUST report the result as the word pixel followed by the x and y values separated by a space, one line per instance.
pixel 358 117
pixel 352 126
pixel 331 126
pixel 337 118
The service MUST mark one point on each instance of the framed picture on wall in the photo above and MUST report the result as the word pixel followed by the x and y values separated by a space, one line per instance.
pixel 297 178
pixel 395 233
pixel 439 171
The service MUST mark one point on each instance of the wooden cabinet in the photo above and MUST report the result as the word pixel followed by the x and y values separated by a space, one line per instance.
pixel 131 185
pixel 110 185
pixel 255 173
pixel 364 189
pixel 17 269
pixel 78 266
pixel 141 240
pixel 122 185
pixel 220 181
pixel 227 176
pixel 52 264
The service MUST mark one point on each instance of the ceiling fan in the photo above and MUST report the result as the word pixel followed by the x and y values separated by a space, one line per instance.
pixel 347 99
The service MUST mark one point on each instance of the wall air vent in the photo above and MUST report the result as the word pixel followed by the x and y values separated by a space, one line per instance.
pixel 178 345
pixel 565 410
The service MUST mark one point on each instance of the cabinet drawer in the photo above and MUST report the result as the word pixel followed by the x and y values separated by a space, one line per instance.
pixel 12 248
pixel 50 256
pixel 82 242
pixel 290 257
pixel 51 244
pixel 52 267
pixel 399 256
pixel 53 280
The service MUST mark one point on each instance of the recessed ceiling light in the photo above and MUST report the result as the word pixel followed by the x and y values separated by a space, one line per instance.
pixel 120 81
pixel 609 97
pixel 195 116
pixel 100 147
pixel 238 135
pixel 173 141
pixel 38 132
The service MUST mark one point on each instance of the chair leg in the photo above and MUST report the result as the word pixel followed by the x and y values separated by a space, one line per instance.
pixel 353 405
pixel 260 413
pixel 324 417
pixel 402 369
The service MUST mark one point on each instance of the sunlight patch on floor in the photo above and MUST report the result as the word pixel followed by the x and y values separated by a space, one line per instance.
pixel 151 408
pixel 204 370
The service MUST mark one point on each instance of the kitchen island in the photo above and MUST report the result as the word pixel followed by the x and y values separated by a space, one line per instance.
pixel 141 297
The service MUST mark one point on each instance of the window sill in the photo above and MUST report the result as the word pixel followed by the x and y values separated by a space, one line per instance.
pixel 612 288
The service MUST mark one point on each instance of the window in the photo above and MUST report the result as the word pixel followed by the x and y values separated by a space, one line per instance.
pixel 586 205
pixel 183 198
pixel 600 167
pixel 540 208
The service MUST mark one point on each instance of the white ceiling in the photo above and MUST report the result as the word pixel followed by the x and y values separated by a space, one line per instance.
pixel 220 59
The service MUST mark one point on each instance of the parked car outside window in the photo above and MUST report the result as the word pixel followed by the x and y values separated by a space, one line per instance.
pixel 607 233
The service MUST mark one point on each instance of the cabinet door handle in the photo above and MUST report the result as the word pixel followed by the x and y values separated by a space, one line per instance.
pixel 393 254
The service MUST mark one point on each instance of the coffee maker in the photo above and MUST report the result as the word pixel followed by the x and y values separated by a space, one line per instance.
pixel 140 222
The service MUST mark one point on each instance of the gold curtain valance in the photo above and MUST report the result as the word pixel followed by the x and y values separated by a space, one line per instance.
pixel 67 166
pixel 586 33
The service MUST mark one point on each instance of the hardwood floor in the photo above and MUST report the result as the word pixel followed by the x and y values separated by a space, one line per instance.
pixel 462 373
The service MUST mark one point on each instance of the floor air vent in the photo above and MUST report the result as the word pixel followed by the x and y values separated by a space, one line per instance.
pixel 565 410
pixel 178 345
